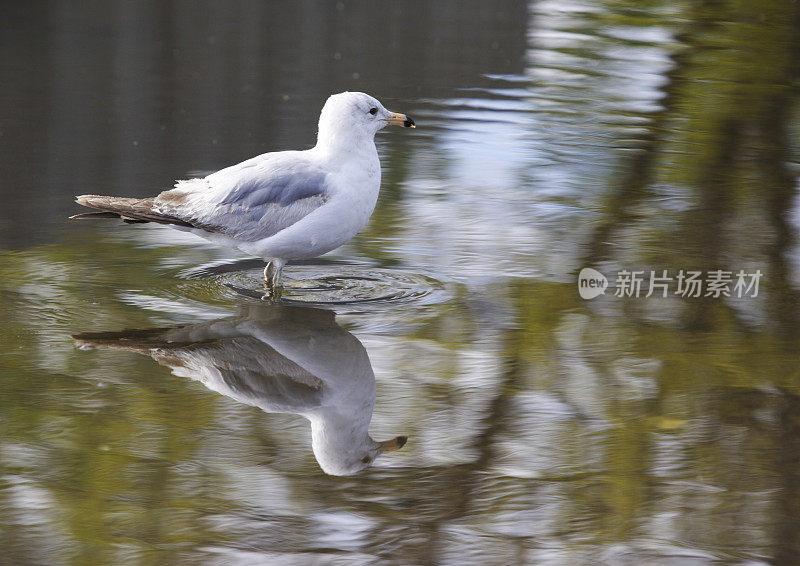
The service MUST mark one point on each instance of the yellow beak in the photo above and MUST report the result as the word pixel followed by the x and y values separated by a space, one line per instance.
pixel 393 444
pixel 401 120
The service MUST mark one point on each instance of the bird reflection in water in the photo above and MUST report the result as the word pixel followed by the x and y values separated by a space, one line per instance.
pixel 282 360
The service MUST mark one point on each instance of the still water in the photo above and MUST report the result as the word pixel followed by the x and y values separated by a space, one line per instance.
pixel 188 421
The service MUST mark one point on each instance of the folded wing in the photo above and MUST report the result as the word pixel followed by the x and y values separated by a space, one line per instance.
pixel 252 200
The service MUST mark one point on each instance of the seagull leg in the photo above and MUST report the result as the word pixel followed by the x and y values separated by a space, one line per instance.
pixel 272 278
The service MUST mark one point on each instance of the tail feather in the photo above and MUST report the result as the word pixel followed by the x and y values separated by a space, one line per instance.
pixel 93 215
pixel 142 341
pixel 131 210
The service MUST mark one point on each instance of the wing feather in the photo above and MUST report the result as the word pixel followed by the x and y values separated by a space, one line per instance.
pixel 250 201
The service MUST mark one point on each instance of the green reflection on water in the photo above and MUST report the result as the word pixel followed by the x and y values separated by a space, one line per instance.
pixel 542 427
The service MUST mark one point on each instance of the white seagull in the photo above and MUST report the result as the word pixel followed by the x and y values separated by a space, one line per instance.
pixel 282 360
pixel 283 205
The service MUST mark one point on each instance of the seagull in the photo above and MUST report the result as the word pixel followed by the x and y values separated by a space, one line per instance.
pixel 282 205
pixel 281 359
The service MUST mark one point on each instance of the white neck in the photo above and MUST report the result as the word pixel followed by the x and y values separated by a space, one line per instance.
pixel 332 139
pixel 338 438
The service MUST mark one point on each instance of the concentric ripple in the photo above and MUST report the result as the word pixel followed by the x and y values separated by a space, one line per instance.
pixel 327 283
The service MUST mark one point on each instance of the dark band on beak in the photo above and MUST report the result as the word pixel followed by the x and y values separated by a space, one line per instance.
pixel 394 444
pixel 398 119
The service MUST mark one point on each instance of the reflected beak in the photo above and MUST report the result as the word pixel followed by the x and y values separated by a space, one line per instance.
pixel 393 444
pixel 401 120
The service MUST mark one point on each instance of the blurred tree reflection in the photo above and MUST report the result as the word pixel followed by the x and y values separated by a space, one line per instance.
pixel 723 134
pixel 543 427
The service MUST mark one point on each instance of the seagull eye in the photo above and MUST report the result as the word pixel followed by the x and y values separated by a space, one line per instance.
pixel 366 459
pixel 373 111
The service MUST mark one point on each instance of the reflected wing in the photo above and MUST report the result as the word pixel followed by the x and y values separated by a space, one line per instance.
pixel 252 200
pixel 247 370
pixel 238 366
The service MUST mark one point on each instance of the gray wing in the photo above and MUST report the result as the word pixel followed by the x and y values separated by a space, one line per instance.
pixel 248 371
pixel 250 201
pixel 244 368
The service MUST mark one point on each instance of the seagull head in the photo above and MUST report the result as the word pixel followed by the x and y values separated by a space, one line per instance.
pixel 354 116
pixel 344 459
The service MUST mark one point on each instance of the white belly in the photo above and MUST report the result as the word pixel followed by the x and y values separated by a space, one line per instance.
pixel 325 229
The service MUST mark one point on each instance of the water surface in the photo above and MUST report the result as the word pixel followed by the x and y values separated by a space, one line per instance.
pixel 542 428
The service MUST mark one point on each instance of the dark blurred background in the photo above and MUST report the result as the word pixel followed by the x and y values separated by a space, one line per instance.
pixel 543 428
pixel 124 97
